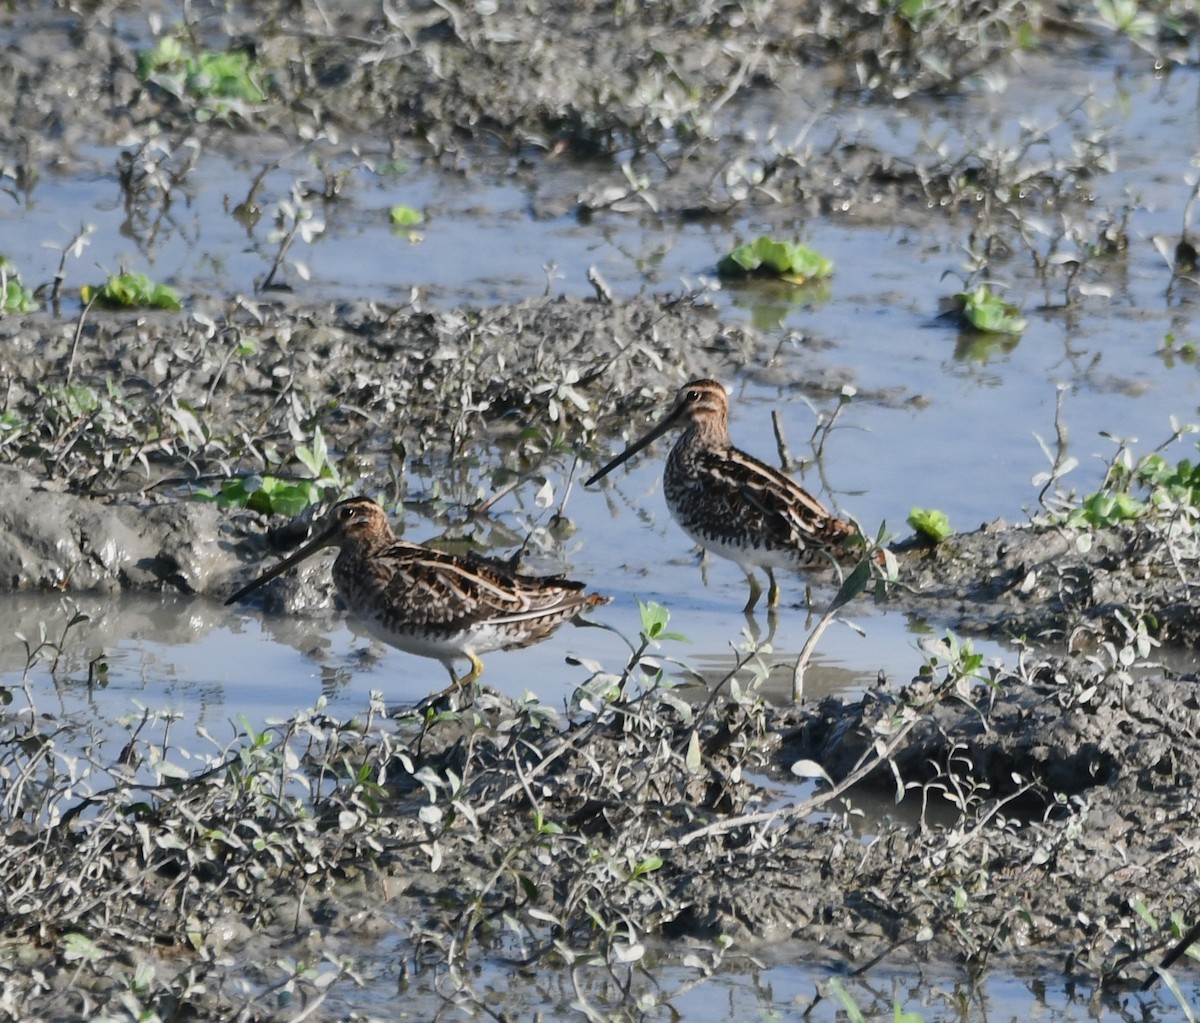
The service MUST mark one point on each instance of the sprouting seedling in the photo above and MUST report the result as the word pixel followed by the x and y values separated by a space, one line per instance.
pixel 278 495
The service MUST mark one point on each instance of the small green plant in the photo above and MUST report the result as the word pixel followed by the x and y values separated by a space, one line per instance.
pixel 954 664
pixel 271 495
pixel 205 75
pixel 132 291
pixel 1107 508
pixel 1173 349
pixel 1166 483
pixel 984 311
pixel 14 296
pixel 769 257
pixel 654 623
pixel 931 523
pixel 275 495
pixel 406 216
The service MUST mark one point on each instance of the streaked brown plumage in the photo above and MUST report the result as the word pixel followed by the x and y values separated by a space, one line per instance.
pixel 431 603
pixel 734 505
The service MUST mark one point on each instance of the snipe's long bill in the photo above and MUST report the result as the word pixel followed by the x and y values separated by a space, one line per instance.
pixel 732 504
pixel 431 603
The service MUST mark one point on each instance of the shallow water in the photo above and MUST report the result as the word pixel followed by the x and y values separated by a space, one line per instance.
pixel 941 421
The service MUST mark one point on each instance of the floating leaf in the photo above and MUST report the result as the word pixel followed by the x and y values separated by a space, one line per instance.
pixel 773 258
pixel 406 216
pixel 989 313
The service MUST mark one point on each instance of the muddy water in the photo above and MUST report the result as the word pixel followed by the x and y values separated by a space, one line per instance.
pixel 940 420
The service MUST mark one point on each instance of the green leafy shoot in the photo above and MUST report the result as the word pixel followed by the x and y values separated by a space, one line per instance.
pixel 271 495
pixel 545 827
pixel 647 866
pixel 206 75
pixel 132 291
pixel 988 313
pixel 931 523
pixel 1165 483
pixel 14 296
pixel 276 495
pixel 1105 508
pixel 770 257
pixel 406 216
pixel 316 460
pixel 654 622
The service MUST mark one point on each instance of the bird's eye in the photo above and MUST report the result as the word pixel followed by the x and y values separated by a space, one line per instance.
pixel 693 396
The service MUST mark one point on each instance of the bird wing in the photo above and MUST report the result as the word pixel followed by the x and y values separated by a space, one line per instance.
pixel 771 503
pixel 424 587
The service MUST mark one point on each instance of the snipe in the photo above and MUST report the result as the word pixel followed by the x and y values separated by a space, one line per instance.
pixel 732 504
pixel 431 603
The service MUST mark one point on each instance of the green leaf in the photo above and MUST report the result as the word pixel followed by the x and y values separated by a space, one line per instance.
pixel 132 291
pixel 654 621
pixel 545 827
pixel 267 494
pixel 900 1015
pixel 989 313
pixel 1141 909
pixel 854 584
pixel 204 74
pixel 17 297
pixel 648 866
pixel 931 523
pixel 406 216
pixel 849 1006
pixel 770 257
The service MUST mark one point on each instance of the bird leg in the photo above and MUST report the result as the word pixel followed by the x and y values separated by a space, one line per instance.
pixel 472 675
pixel 755 591
pixel 773 592
pixel 446 699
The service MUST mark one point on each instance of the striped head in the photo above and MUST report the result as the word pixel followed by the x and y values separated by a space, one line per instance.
pixel 702 405
pixel 357 524
pixel 356 520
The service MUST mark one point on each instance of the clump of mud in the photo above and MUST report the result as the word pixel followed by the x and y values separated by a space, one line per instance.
pixel 1046 818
